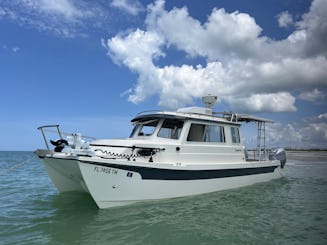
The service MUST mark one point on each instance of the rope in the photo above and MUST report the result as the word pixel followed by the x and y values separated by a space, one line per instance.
pixel 117 155
pixel 16 166
pixel 113 155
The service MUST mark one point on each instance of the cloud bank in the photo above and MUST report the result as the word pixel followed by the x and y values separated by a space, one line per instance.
pixel 247 70
pixel 307 133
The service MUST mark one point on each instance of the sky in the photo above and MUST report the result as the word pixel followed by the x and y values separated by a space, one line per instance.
pixel 90 66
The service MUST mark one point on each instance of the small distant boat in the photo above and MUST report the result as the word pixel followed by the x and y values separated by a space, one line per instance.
pixel 168 154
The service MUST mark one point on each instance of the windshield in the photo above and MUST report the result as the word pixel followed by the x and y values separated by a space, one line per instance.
pixel 144 128
pixel 171 129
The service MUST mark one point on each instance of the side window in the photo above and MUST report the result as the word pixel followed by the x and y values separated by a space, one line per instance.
pixel 196 132
pixel 206 133
pixel 214 133
pixel 235 135
pixel 171 129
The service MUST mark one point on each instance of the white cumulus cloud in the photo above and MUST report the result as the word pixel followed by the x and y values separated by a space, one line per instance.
pixel 146 48
pixel 274 102
pixel 224 34
pixel 314 24
pixel 285 19
pixel 248 71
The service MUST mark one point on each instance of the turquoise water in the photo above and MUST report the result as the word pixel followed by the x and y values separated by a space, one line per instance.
pixel 290 210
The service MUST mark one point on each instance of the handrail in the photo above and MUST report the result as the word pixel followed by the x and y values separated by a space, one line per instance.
pixel 44 129
pixel 49 126
pixel 65 133
pixel 130 147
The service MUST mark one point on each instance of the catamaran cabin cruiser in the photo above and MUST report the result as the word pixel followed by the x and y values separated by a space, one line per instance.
pixel 168 154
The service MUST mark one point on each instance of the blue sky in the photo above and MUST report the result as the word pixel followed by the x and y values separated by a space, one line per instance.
pixel 92 65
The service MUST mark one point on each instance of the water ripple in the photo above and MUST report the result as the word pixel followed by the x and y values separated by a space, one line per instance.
pixel 290 210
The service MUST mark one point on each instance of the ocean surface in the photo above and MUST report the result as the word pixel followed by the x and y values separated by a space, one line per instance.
pixel 290 210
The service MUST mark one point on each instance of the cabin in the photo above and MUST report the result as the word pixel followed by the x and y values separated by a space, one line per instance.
pixel 190 135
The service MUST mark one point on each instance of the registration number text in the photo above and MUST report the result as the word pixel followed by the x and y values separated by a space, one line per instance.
pixel 105 170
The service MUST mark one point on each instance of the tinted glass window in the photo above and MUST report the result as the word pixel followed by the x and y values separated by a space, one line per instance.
pixel 235 135
pixel 206 133
pixel 214 133
pixel 171 129
pixel 196 132
pixel 147 128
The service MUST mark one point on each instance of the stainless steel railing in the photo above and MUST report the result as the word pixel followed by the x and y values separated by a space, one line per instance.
pixel 41 128
pixel 45 128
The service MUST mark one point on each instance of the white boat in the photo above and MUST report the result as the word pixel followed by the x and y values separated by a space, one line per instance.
pixel 169 154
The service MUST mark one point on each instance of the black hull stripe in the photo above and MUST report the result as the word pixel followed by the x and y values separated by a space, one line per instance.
pixel 172 174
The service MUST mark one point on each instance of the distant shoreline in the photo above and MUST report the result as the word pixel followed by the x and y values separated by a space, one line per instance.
pixel 299 150
pixel 291 149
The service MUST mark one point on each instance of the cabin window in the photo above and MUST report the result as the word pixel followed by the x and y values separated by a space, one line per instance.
pixel 206 133
pixel 235 135
pixel 214 133
pixel 171 129
pixel 147 128
pixel 196 132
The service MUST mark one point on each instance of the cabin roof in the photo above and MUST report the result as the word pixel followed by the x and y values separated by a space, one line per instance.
pixel 180 115
pixel 198 113
pixel 239 117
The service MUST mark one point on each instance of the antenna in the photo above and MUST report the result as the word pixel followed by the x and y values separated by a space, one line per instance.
pixel 209 101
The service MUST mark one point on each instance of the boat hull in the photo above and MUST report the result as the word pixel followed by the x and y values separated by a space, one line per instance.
pixel 65 174
pixel 112 183
pixel 110 186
